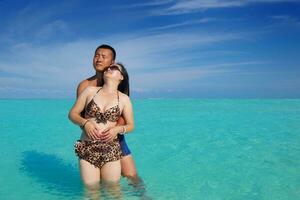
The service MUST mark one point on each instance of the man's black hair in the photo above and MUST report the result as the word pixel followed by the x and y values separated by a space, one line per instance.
pixel 106 46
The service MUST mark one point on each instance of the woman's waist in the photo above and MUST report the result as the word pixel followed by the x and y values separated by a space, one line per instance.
pixel 106 123
pixel 89 141
pixel 85 137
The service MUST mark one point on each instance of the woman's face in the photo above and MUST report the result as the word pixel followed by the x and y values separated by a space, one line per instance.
pixel 114 71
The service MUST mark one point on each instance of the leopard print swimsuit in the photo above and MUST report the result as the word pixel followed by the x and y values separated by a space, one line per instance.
pixel 97 152
pixel 93 111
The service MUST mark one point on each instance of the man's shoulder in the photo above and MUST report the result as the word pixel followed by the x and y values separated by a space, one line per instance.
pixel 84 84
pixel 88 81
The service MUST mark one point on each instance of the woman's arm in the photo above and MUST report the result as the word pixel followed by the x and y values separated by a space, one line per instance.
pixel 128 115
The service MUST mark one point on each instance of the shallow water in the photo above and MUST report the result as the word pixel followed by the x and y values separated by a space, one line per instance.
pixel 184 149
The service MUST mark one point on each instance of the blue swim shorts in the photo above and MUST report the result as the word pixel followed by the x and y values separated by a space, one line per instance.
pixel 124 148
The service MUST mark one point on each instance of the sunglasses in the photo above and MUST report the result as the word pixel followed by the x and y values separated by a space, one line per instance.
pixel 114 67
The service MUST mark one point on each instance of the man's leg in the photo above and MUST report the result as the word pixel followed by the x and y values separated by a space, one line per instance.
pixel 128 167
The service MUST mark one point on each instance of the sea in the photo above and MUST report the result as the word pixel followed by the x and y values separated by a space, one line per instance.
pixel 202 149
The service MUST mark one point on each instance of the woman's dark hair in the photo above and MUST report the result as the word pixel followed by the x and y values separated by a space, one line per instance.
pixel 124 84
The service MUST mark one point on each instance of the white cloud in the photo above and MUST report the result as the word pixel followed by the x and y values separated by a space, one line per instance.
pixel 165 79
pixel 62 66
pixel 190 6
pixel 185 76
pixel 47 66
pixel 36 21
pixel 155 49
pixel 151 3
pixel 185 23
pixel 53 28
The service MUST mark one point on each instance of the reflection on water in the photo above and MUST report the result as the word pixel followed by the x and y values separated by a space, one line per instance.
pixel 61 178
pixel 138 188
pixel 52 172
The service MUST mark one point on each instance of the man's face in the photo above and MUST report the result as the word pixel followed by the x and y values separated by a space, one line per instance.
pixel 102 59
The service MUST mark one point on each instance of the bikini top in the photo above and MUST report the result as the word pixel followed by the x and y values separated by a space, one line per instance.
pixel 112 114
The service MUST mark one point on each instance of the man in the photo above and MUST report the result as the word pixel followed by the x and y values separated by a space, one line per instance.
pixel 104 56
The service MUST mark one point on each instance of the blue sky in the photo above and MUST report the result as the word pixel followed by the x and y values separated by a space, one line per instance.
pixel 171 48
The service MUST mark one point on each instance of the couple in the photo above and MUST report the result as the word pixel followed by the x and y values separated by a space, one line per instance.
pixel 104 112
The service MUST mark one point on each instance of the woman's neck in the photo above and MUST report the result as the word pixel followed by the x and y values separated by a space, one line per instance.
pixel 110 87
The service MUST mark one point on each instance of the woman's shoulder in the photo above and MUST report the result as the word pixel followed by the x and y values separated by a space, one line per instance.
pixel 123 96
pixel 91 89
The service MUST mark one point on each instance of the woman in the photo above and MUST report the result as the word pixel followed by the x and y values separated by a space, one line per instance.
pixel 105 56
pixel 100 160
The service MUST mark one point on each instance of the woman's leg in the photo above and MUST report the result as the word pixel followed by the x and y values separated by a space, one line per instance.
pixel 110 175
pixel 111 171
pixel 90 176
pixel 128 167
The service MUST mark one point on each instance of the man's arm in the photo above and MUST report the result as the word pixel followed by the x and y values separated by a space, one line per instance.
pixel 81 87
pixel 78 107
pixel 121 121
pixel 76 117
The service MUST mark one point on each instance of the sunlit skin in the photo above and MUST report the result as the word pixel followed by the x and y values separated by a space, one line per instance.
pixel 106 99
pixel 103 58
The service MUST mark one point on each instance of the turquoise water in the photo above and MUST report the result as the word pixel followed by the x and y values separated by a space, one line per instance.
pixel 184 149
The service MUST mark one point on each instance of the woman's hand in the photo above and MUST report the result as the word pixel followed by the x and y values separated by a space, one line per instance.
pixel 91 129
pixel 109 134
